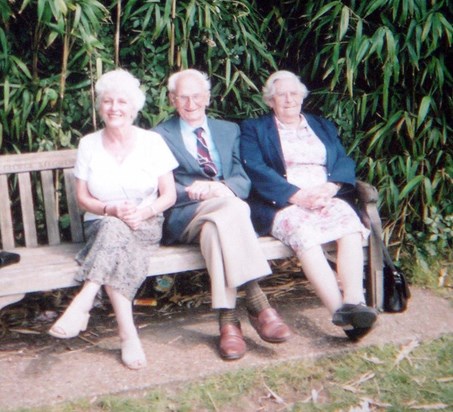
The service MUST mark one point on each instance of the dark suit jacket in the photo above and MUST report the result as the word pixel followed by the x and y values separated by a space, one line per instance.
pixel 262 157
pixel 226 138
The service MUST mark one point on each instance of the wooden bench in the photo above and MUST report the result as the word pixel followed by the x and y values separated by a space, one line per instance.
pixel 42 185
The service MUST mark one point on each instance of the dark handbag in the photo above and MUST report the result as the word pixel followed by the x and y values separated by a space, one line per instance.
pixel 396 289
pixel 8 258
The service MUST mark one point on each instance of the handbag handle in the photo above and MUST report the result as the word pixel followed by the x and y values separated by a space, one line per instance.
pixel 387 258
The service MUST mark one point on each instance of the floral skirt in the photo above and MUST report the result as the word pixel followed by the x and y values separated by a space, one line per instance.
pixel 301 228
pixel 116 255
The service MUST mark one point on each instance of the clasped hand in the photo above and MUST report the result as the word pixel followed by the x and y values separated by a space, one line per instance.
pixel 202 190
pixel 316 197
pixel 129 213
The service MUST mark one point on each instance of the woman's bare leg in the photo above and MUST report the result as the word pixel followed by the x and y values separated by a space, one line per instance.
pixel 132 352
pixel 350 267
pixel 318 271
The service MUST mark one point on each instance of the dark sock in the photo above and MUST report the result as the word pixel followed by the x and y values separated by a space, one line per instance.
pixel 228 316
pixel 256 300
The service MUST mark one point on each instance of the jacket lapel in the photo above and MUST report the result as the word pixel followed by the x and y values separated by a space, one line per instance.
pixel 176 142
pixel 271 140
pixel 218 137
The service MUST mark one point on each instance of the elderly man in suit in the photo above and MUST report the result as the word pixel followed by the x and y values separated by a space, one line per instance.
pixel 209 210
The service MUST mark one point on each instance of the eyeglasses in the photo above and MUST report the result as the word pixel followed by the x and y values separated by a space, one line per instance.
pixel 284 95
pixel 196 98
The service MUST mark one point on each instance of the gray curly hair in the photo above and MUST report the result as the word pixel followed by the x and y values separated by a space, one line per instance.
pixel 269 87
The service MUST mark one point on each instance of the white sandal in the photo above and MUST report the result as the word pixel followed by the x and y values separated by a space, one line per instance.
pixel 132 354
pixel 69 325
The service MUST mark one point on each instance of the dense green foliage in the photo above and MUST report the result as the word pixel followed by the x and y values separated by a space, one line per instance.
pixel 378 69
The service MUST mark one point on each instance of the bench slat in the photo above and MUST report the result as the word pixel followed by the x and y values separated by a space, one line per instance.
pixel 28 212
pixel 53 267
pixel 73 208
pixel 6 222
pixel 50 204
pixel 29 162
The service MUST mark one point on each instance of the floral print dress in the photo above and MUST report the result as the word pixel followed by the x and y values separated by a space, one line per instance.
pixel 298 227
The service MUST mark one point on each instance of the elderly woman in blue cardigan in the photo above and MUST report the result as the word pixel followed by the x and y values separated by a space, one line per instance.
pixel 299 172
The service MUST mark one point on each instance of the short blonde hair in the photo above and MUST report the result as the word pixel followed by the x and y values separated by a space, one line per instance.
pixel 269 87
pixel 121 80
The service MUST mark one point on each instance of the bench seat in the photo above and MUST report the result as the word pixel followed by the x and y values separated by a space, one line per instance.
pixel 45 182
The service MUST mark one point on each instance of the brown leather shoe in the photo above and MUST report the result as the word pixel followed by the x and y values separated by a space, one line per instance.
pixel 232 345
pixel 270 326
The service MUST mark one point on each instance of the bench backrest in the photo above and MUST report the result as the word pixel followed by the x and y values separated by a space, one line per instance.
pixel 44 178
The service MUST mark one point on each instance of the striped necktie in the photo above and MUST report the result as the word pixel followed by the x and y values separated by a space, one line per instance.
pixel 203 156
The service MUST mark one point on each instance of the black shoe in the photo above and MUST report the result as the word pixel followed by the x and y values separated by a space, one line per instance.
pixel 356 333
pixel 359 316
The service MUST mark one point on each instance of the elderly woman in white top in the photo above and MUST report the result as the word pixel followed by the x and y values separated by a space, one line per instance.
pixel 124 183
pixel 300 172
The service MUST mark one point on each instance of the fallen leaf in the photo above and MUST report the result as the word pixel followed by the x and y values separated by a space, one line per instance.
pixel 405 351
pixel 25 331
pixel 276 397
pixel 377 403
pixel 431 407
pixel 444 380
pixel 373 359
pixel 350 388
pixel 364 407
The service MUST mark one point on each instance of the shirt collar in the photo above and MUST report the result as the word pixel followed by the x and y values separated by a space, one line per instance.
pixel 302 123
pixel 187 128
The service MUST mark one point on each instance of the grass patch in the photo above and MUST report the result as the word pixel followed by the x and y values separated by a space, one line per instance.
pixel 392 378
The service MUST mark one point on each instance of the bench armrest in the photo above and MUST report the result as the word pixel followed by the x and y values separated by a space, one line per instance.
pixel 367 196
pixel 366 192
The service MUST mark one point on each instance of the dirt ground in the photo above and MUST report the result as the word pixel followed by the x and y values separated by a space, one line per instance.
pixel 180 343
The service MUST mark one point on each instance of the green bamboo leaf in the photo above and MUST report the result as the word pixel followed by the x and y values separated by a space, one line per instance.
pixel 248 81
pixel 4 43
pixel 350 74
pixel 411 168
pixel 377 42
pixel 21 65
pixel 24 5
pixel 227 72
pixel 391 46
pixel 77 15
pixel 386 88
pixel 372 6
pixel 207 16
pixel 344 22
pixel 6 91
pixel 410 186
pixel 41 7
pixel 60 8
pixel 327 8
pixel 423 110
pixel 410 125
pixel 363 49
pixel 51 38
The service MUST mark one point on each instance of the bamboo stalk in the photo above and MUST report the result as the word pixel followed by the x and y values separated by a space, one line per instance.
pixel 117 33
pixel 171 56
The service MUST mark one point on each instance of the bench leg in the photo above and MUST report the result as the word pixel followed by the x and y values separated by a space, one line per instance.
pixel 375 280
pixel 8 300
